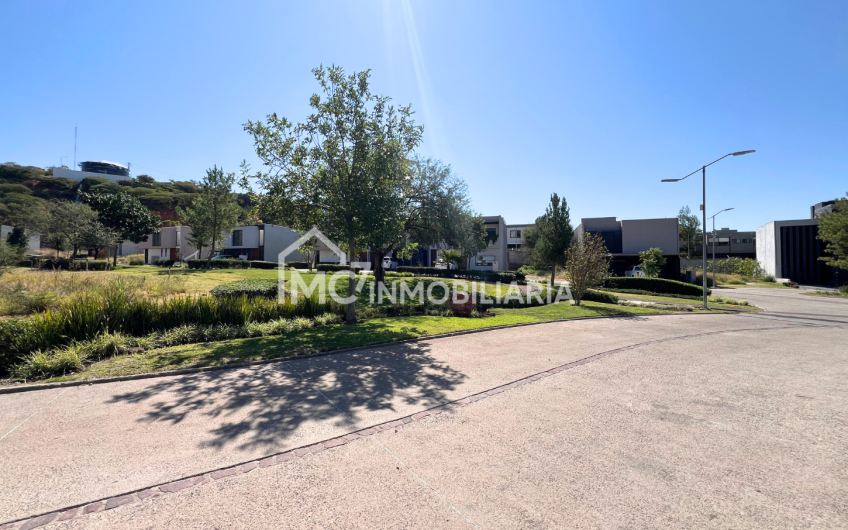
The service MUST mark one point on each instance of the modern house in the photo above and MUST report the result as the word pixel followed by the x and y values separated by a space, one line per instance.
pixel 105 170
pixel 171 242
pixel 625 239
pixel 262 242
pixel 791 250
pixel 516 257
pixel 730 244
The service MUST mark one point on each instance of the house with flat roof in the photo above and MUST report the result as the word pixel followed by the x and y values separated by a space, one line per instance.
pixel 625 239
pixel 791 250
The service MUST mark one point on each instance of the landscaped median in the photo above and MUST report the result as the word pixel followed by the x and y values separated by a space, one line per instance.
pixel 333 337
pixel 118 329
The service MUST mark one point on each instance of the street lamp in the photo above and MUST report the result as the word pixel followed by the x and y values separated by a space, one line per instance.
pixel 703 171
pixel 714 238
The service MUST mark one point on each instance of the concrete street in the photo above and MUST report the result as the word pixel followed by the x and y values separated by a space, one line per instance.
pixel 712 421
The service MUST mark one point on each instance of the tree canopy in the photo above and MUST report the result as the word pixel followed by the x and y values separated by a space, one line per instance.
pixel 552 234
pixel 833 230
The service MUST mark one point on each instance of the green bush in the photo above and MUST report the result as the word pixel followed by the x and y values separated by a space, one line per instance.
pixel 653 285
pixel 330 267
pixel 136 261
pixel 600 296
pixel 218 264
pixel 298 265
pixel 164 262
pixel 71 265
pixel 250 288
pixel 486 276
pixel 257 264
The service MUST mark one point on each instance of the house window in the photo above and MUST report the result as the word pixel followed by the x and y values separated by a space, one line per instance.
pixel 157 240
pixel 515 234
pixel 747 241
pixel 737 241
pixel 484 261
pixel 493 234
pixel 237 239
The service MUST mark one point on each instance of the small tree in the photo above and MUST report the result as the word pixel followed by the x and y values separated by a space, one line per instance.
pixel 553 235
pixel 125 215
pixel 587 264
pixel 10 255
pixel 651 261
pixel 215 213
pixel 98 237
pixel 689 231
pixel 72 220
pixel 309 251
pixel 833 230
pixel 451 256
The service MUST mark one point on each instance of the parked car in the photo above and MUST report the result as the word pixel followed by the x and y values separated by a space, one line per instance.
pixel 442 264
pixel 389 264
pixel 635 271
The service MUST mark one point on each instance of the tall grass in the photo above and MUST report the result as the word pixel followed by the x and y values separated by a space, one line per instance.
pixel 121 310
pixel 25 292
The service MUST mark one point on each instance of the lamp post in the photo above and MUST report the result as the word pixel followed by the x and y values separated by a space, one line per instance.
pixel 703 171
pixel 714 238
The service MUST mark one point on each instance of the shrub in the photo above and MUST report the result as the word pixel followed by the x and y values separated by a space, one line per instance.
pixel 298 265
pixel 218 264
pixel 769 278
pixel 71 265
pixel 600 296
pixel 257 264
pixel 135 261
pixel 331 267
pixel 164 263
pixel 250 288
pixel 653 285
pixel 486 276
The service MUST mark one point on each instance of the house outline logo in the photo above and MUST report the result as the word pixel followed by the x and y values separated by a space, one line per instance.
pixel 314 232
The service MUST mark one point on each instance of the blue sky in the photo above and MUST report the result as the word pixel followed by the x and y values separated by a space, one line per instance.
pixel 597 101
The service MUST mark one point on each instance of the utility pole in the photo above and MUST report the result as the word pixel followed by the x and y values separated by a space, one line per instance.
pixel 75 148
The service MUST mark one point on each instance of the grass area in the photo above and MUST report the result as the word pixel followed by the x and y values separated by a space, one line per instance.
pixel 676 300
pixel 374 331
pixel 832 294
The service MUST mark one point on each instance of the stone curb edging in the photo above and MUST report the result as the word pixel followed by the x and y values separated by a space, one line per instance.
pixel 108 503
pixel 234 366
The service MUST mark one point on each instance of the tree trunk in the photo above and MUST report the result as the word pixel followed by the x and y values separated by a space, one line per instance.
pixel 553 274
pixel 350 317
pixel 211 252
pixel 379 271
pixel 115 256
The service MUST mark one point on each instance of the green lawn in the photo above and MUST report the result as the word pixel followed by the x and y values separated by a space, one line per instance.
pixel 375 331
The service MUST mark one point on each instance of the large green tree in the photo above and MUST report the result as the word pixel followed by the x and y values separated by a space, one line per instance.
pixel 833 230
pixel 651 261
pixel 432 207
pixel 124 215
pixel 341 168
pixel 689 229
pixel 552 235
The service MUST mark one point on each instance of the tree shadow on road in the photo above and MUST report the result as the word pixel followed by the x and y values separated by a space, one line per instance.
pixel 263 406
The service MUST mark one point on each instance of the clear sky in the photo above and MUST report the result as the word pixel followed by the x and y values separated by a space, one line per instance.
pixel 597 101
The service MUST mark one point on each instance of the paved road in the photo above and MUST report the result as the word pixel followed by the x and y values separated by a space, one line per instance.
pixel 688 421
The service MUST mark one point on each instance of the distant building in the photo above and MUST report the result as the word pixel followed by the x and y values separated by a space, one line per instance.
pixel 104 170
pixel 262 242
pixel 516 255
pixel 171 242
pixel 817 209
pixel 729 244
pixel 791 250
pixel 625 239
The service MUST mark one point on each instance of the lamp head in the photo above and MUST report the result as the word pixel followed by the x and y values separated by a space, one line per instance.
pixel 670 180
pixel 740 153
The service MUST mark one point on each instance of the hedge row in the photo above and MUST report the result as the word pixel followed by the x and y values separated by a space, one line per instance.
pixel 71 265
pixel 653 285
pixel 250 288
pixel 329 267
pixel 486 276
pixel 230 264
pixel 164 262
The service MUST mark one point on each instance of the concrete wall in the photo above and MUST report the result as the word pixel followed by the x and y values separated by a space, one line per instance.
pixel 641 234
pixel 767 250
pixel 277 238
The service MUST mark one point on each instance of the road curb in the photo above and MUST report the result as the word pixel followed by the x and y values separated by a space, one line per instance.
pixel 235 366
